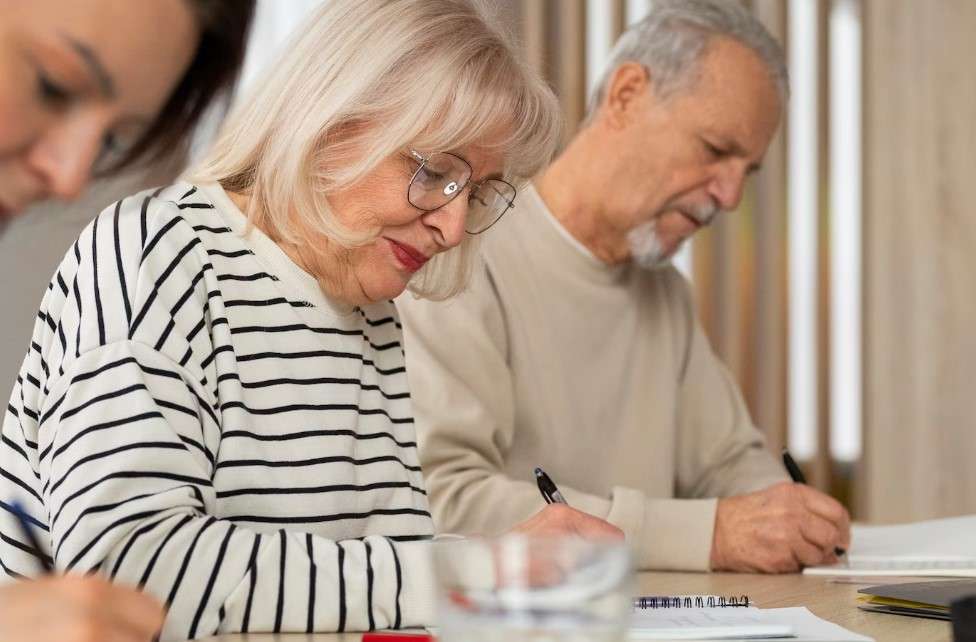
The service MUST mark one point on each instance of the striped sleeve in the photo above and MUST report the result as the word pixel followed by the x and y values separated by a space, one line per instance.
pixel 128 486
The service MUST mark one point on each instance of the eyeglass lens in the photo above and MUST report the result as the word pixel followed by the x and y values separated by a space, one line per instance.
pixel 439 179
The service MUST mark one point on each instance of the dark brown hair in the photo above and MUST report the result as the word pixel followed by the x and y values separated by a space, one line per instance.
pixel 224 26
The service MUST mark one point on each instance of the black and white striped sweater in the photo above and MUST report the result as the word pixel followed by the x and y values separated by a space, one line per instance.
pixel 195 417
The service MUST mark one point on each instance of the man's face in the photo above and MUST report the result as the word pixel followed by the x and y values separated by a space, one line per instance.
pixel 690 153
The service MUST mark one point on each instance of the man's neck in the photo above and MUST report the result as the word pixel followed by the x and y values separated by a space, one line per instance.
pixel 573 189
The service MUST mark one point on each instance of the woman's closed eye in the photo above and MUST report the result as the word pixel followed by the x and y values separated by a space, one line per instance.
pixel 427 174
pixel 51 92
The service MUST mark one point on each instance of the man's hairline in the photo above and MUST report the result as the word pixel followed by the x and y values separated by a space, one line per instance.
pixel 686 82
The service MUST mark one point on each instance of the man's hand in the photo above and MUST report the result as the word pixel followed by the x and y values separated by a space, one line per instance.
pixel 76 609
pixel 560 519
pixel 778 530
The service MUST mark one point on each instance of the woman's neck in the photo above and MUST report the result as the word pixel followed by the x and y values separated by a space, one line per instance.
pixel 325 267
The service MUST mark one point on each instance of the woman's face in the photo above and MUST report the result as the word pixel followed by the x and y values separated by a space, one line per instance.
pixel 78 78
pixel 407 236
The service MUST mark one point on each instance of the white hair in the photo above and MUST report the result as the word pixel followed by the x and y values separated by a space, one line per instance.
pixel 365 79
pixel 671 38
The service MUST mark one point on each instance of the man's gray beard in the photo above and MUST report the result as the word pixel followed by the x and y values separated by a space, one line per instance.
pixel 646 249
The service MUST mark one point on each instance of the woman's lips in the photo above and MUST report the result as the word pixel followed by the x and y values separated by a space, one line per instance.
pixel 409 257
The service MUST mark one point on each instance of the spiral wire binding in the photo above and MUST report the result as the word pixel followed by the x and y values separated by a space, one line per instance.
pixel 690 602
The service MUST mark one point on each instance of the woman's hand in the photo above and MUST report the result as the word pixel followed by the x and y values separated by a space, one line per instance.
pixel 560 519
pixel 76 609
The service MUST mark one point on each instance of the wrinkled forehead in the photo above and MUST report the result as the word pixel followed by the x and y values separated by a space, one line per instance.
pixel 486 161
pixel 735 93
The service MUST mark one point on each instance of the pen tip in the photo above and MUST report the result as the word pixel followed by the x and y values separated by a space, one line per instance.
pixel 538 472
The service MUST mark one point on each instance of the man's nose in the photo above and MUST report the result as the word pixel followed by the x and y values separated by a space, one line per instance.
pixel 728 187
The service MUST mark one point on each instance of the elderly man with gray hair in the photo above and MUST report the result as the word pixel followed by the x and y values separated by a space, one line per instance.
pixel 576 347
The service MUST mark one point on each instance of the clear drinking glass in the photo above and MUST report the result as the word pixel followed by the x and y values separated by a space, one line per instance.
pixel 519 589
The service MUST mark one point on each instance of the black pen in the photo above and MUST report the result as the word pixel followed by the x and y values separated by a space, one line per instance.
pixel 25 527
pixel 797 476
pixel 548 489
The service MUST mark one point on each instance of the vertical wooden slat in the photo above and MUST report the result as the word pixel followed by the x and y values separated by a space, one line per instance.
pixel 821 467
pixel 727 290
pixel 770 341
pixel 533 17
pixel 570 59
pixel 618 15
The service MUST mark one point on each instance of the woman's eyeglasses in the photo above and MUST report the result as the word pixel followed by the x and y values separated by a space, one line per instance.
pixel 441 176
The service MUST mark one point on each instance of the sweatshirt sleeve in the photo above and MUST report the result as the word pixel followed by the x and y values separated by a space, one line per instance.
pixel 464 407
pixel 720 451
pixel 126 471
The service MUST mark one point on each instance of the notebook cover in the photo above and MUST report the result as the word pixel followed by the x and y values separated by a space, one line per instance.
pixel 942 593
pixel 911 612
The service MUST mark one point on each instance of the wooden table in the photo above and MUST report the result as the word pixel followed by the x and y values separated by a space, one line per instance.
pixel 825 598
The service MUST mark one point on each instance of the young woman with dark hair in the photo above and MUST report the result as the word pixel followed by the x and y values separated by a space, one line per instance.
pixel 88 88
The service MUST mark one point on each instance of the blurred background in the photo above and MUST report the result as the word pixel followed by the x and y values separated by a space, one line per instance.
pixel 841 293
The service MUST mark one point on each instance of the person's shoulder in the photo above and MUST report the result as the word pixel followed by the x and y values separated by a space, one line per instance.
pixel 163 215
pixel 114 271
pixel 143 251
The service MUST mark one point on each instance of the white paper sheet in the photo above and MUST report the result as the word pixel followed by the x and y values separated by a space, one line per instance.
pixel 790 624
pixel 704 624
pixel 934 548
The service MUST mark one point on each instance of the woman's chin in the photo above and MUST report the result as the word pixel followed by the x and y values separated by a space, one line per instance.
pixel 387 288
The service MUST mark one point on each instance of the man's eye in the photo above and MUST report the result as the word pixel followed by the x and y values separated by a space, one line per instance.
pixel 713 150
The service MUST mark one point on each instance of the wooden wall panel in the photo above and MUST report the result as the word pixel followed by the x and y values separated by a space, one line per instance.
pixel 920 259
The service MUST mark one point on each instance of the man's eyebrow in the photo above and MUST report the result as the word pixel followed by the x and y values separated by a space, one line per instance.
pixel 95 66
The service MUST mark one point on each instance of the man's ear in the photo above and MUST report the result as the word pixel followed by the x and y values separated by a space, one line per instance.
pixel 627 90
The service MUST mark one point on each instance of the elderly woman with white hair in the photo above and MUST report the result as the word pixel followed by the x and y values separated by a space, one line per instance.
pixel 214 405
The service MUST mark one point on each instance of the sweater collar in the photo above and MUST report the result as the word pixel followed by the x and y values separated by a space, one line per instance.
pixel 564 245
pixel 299 283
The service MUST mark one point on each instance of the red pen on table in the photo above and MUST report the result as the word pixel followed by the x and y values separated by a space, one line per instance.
pixel 395 636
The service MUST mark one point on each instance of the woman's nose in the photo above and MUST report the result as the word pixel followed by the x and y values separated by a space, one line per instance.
pixel 449 221
pixel 64 155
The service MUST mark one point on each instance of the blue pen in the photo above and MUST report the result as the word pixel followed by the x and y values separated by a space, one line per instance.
pixel 24 520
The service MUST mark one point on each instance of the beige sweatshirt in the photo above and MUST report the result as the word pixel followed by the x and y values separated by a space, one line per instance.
pixel 601 375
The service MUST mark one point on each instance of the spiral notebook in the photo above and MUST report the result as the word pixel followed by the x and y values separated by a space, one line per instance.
pixel 701 617
pixel 708 617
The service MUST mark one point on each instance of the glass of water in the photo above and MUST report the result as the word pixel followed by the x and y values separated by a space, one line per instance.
pixel 520 589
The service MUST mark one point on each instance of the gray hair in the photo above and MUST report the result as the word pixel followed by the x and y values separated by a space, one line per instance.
pixel 671 38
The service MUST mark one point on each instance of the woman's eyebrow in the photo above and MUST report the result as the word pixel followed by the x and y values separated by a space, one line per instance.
pixel 94 64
